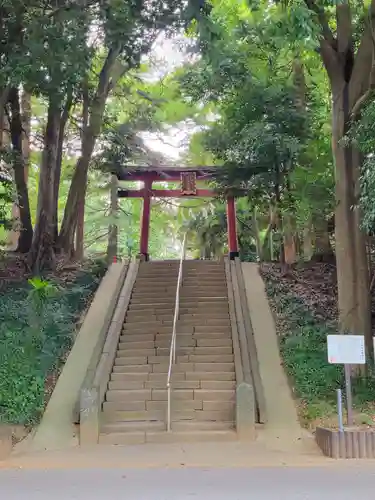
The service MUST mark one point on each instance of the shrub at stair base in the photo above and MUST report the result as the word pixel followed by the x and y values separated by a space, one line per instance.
pixel 303 346
pixel 34 343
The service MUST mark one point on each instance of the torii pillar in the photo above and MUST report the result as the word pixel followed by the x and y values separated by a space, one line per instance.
pixel 145 228
pixel 232 229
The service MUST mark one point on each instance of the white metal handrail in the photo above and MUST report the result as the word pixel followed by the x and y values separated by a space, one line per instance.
pixel 172 352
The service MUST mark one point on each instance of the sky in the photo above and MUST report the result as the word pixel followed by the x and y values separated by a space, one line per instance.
pixel 167 55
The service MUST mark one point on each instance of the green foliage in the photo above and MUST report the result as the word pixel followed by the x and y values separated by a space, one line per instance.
pixel 28 355
pixel 5 201
pixel 362 135
pixel 303 346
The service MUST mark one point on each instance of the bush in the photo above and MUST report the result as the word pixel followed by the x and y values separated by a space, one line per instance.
pixel 303 347
pixel 34 339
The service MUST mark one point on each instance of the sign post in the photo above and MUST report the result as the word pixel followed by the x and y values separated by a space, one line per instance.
pixel 347 350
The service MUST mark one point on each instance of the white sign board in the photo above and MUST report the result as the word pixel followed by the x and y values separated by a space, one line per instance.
pixel 346 349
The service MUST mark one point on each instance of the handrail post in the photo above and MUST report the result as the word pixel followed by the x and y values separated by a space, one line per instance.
pixel 172 351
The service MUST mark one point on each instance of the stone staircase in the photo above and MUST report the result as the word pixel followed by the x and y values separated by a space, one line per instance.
pixel 203 380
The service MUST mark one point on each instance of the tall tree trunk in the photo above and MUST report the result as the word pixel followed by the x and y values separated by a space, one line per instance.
pixel 77 192
pixel 42 253
pixel 278 216
pixel 352 267
pixel 308 240
pixel 78 185
pixel 20 173
pixel 80 226
pixel 59 157
pixel 351 71
pixel 113 230
pixel 80 230
pixel 26 125
pixel 323 251
pixel 289 230
pixel 258 242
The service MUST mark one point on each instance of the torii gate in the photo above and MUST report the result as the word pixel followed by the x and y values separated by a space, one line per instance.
pixel 188 178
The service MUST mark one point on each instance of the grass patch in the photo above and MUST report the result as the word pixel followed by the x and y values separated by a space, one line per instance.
pixel 303 347
pixel 34 340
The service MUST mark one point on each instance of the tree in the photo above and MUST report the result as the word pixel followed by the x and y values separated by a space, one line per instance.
pixel 130 30
pixel 343 37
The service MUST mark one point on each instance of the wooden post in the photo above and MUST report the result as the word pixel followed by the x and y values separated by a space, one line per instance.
pixel 232 231
pixel 113 230
pixel 145 229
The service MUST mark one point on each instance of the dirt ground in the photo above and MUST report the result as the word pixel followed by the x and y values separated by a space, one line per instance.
pixel 313 283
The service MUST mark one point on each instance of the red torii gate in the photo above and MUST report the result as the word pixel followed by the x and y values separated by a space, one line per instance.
pixel 188 178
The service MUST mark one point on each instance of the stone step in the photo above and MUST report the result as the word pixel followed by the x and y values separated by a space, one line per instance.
pixel 176 384
pixel 180 380
pixel 204 288
pixel 226 415
pixel 203 276
pixel 154 288
pixel 202 425
pixel 178 405
pixel 150 307
pixel 182 339
pixel 182 336
pixel 127 426
pixel 167 314
pixel 202 377
pixel 147 323
pixel 202 321
pixel 153 328
pixel 203 295
pixel 126 349
pixel 158 395
pixel 169 278
pixel 212 329
pixel 199 367
pixel 195 279
pixel 211 416
pixel 139 437
pixel 149 316
pixel 218 340
pixel 185 358
pixel 148 312
pixel 153 294
pixel 214 385
pixel 125 396
pixel 183 327
pixel 133 416
pixel 207 395
pixel 190 302
pixel 210 376
pixel 186 409
pixel 177 368
pixel 161 317
pixel 139 360
pixel 204 315
pixel 151 360
pixel 144 377
pixel 154 384
pixel 170 300
pixel 123 352
pixel 132 368
pixel 126 385
pixel 153 301
pixel 202 301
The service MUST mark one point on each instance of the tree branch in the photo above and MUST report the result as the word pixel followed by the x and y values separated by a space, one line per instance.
pixel 323 21
pixel 344 28
pixel 363 74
